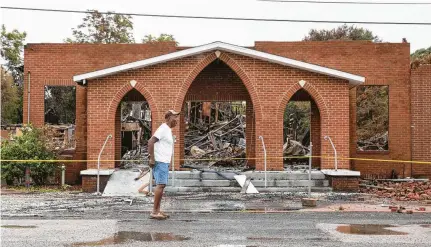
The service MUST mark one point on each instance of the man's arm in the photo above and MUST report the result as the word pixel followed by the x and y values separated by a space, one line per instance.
pixel 151 150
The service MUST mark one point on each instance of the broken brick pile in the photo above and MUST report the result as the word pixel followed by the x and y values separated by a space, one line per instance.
pixel 400 191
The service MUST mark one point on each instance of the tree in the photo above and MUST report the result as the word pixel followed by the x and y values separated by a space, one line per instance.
pixel 12 44
pixel 421 56
pixel 103 28
pixel 162 38
pixel 60 101
pixel 12 75
pixel 343 32
pixel 372 117
pixel 11 99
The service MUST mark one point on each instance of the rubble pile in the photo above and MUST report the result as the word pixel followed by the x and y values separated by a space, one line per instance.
pixel 400 191
pixel 294 148
pixel 135 158
pixel 377 142
pixel 60 137
pixel 216 144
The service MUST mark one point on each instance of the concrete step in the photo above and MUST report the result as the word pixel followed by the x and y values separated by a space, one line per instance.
pixel 281 175
pixel 290 183
pixel 170 189
pixel 122 183
pixel 203 183
pixel 257 183
pixel 294 175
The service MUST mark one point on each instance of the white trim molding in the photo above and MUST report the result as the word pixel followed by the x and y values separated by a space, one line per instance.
pixel 354 80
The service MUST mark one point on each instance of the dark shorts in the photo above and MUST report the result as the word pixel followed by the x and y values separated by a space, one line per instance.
pixel 161 173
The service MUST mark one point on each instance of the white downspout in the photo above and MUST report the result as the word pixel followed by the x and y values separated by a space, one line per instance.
pixel 28 99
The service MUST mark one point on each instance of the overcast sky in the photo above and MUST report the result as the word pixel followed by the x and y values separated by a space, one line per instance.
pixel 47 27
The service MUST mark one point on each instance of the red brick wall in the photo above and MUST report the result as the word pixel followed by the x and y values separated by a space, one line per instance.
pixel 89 183
pixel 269 86
pixel 346 184
pixel 421 119
pixel 380 64
pixel 56 64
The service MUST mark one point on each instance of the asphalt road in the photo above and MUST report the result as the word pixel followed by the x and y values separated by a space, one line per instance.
pixel 222 229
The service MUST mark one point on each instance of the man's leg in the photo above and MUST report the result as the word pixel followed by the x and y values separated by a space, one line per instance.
pixel 158 194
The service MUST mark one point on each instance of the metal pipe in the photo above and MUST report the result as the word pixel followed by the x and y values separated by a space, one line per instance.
pixel 264 157
pixel 63 174
pixel 309 170
pixel 98 163
pixel 335 151
pixel 173 163
pixel 28 99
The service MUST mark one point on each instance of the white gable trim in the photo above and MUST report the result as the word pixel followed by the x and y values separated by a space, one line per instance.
pixel 354 80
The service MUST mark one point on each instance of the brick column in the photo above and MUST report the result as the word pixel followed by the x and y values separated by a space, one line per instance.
pixel 180 138
pixel 250 134
pixel 315 132
pixel 118 136
pixel 73 169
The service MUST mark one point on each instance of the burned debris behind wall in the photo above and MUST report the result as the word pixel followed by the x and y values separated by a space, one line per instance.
pixel 215 135
pixel 135 133
pixel 296 134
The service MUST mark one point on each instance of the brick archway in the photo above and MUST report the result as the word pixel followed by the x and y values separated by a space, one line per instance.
pixel 322 118
pixel 234 66
pixel 123 91
pixel 114 114
pixel 312 91
pixel 254 109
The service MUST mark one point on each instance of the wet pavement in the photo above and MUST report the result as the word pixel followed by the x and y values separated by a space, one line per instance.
pixel 216 219
pixel 369 229
pixel 225 229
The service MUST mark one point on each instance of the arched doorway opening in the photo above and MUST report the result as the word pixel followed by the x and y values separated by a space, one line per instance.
pixel 132 130
pixel 218 124
pixel 301 126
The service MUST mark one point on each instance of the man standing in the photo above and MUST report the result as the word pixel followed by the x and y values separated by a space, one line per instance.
pixel 160 147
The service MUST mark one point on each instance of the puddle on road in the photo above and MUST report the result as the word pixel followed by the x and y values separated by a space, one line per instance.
pixel 268 210
pixel 186 220
pixel 17 226
pixel 368 229
pixel 126 236
pixel 264 238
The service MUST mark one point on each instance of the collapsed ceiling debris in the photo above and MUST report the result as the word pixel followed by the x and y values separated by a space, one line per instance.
pixel 215 135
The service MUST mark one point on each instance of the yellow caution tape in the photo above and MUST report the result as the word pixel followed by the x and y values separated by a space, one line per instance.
pixel 229 159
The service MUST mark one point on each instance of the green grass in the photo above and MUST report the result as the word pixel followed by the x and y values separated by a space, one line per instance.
pixel 44 189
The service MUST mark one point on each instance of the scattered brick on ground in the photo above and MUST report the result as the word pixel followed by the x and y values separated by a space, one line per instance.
pixel 400 191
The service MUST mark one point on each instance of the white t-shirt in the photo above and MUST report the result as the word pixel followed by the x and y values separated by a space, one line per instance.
pixel 163 148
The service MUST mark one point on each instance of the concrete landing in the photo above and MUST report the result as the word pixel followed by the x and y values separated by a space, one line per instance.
pixel 122 183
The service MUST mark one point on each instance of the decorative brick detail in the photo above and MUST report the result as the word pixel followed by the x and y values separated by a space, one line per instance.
pixel 89 183
pixel 345 184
